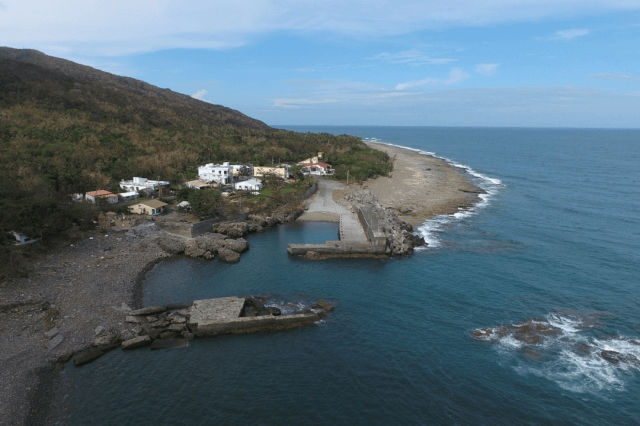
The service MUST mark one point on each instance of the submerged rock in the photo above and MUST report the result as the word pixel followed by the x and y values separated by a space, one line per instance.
pixel 532 332
pixel 169 344
pixel 87 357
pixel 615 358
pixel 324 305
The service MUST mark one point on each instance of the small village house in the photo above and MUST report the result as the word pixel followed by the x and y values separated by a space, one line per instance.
pixel 252 185
pixel 148 207
pixel 129 196
pixel 221 174
pixel 143 184
pixel 319 169
pixel 94 197
pixel 198 184
pixel 314 159
pixel 261 171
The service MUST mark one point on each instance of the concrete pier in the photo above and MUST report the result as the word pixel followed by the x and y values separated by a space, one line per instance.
pixel 212 317
pixel 359 232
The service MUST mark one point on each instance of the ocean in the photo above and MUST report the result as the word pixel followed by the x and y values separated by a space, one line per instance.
pixel 555 241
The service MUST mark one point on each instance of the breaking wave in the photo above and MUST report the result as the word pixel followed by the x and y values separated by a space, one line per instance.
pixel 432 228
pixel 568 348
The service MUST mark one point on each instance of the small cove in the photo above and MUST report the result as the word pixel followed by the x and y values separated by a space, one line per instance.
pixel 551 243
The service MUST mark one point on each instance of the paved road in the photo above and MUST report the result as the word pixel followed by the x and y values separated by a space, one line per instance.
pixel 350 228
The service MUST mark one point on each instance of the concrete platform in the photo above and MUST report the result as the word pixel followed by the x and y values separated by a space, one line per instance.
pixel 212 317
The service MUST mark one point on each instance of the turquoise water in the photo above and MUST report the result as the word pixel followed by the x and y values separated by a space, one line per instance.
pixel 557 238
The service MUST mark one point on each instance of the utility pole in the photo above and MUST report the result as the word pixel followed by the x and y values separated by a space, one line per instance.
pixel 347 176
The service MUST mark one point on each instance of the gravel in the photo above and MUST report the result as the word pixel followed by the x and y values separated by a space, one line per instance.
pixel 76 289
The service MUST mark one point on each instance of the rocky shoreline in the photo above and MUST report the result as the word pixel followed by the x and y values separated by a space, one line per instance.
pixel 82 287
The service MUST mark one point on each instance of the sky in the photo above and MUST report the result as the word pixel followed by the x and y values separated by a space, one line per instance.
pixel 507 63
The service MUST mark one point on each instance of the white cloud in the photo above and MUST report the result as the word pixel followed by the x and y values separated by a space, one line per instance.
pixel 569 34
pixel 413 56
pixel 550 106
pixel 455 76
pixel 200 94
pixel 297 103
pixel 487 69
pixel 119 27
pixel 617 77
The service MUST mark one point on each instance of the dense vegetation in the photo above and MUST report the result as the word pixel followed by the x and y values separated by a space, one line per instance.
pixel 67 128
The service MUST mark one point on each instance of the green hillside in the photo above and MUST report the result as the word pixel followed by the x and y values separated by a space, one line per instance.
pixel 67 128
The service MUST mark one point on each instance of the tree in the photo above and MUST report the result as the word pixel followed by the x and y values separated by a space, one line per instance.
pixel 205 202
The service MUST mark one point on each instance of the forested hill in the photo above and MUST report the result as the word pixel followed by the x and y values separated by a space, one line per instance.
pixel 30 75
pixel 67 128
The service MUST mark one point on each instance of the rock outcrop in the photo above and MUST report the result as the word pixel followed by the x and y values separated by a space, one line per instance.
pixel 400 237
pixel 208 245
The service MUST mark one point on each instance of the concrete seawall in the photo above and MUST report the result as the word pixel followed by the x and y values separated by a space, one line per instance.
pixel 213 317
pixel 359 232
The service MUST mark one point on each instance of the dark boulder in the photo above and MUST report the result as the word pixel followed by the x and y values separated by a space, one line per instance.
pixel 149 310
pixel 614 358
pixel 105 340
pixel 87 357
pixel 168 335
pixel 110 347
pixel 274 311
pixel 250 311
pixel 257 303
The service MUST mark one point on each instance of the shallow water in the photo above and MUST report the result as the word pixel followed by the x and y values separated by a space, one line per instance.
pixel 558 239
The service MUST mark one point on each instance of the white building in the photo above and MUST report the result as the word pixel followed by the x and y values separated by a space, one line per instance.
pixel 139 184
pixel 252 185
pixel 128 196
pixel 319 169
pixel 222 174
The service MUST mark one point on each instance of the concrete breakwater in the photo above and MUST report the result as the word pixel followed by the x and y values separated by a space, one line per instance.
pixel 174 325
pixel 367 228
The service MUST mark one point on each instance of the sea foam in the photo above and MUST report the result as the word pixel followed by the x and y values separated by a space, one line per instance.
pixel 431 229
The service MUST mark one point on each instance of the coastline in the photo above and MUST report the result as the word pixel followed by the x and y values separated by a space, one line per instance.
pixel 82 286
pixel 420 186
pixel 75 288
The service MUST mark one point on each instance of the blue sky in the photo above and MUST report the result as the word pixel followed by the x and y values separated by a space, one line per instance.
pixel 533 63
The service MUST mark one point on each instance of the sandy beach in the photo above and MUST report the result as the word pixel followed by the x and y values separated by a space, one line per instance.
pixel 420 186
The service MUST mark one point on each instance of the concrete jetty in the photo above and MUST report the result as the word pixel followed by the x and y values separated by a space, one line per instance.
pixel 359 232
pixel 212 317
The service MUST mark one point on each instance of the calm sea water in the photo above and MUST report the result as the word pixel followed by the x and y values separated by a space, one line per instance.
pixel 556 238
